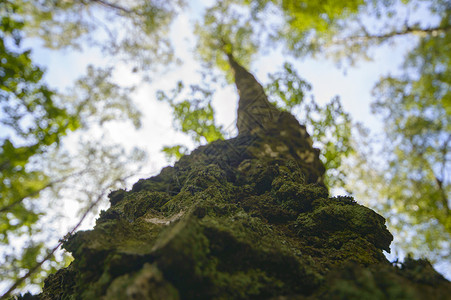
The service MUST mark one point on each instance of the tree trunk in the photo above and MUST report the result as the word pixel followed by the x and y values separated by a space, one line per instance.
pixel 244 218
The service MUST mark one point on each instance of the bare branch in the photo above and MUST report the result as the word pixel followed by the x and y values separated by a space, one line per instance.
pixel 112 5
pixel 405 31
pixel 36 192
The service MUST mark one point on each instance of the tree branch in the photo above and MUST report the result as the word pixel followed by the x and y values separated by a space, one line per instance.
pixel 440 181
pixel 36 192
pixel 414 30
pixel 442 194
pixel 113 5
pixel 405 31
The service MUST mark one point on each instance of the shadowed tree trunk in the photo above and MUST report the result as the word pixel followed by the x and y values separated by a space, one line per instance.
pixel 280 136
pixel 244 218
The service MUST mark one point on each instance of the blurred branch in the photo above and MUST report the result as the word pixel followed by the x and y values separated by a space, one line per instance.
pixel 443 179
pixel 406 30
pixel 442 194
pixel 112 5
pixel 438 181
pixel 36 192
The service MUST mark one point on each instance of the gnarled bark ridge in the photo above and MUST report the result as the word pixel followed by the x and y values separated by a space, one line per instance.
pixel 244 218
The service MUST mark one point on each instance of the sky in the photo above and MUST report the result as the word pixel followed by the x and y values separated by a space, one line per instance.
pixel 353 85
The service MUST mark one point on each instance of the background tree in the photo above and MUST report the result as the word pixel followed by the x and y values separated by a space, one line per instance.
pixel 132 31
pixel 414 179
pixel 37 169
pixel 32 122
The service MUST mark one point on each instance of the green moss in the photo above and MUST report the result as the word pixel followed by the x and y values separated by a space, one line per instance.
pixel 229 223
pixel 329 216
pixel 147 283
pixel 376 282
pixel 421 271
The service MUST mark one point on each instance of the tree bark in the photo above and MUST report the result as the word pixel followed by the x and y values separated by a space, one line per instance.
pixel 244 218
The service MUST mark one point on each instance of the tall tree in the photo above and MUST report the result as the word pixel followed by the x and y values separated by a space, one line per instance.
pixel 241 218
pixel 307 27
pixel 348 31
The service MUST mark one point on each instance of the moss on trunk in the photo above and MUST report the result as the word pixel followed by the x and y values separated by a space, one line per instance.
pixel 245 218
pixel 225 224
